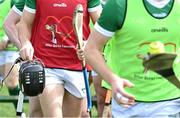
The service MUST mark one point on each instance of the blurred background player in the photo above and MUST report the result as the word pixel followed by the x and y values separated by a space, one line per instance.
pixel 10 27
pixel 8 53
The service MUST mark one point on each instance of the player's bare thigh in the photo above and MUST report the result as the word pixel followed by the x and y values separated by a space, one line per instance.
pixel 35 107
pixel 51 100
pixel 70 104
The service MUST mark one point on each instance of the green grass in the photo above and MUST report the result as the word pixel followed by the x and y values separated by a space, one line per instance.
pixel 8 110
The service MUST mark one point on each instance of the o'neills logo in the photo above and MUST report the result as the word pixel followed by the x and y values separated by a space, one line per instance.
pixel 162 29
pixel 59 5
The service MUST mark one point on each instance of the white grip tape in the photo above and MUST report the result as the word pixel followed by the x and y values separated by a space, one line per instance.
pixel 20 102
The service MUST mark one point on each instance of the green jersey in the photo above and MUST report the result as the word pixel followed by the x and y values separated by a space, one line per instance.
pixel 13 2
pixel 132 24
pixel 19 6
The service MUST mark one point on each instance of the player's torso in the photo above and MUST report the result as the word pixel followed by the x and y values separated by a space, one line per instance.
pixel 142 27
pixel 53 33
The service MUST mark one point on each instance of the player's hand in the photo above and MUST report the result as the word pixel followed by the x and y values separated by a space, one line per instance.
pixel 80 52
pixel 26 52
pixel 120 95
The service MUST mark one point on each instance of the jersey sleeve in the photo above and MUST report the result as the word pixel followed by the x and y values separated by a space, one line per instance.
pixel 30 6
pixel 19 6
pixel 111 18
pixel 94 5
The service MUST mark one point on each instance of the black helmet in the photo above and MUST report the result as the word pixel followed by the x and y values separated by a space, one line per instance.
pixel 32 78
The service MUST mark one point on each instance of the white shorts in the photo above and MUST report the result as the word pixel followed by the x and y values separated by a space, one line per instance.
pixel 164 109
pixel 8 57
pixel 73 81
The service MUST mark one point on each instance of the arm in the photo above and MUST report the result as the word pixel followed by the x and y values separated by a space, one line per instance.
pixel 24 33
pixel 10 27
pixel 93 54
pixel 94 46
pixel 95 15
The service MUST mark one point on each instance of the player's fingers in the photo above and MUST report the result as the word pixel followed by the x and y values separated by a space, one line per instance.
pixel 31 54
pixel 76 47
pixel 22 54
pixel 127 83
pixel 80 54
pixel 124 100
pixel 81 57
pixel 26 53
pixel 126 106
pixel 123 93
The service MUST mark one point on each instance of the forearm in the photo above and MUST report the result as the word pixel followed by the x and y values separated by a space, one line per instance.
pixel 25 26
pixel 24 33
pixel 10 27
pixel 12 34
pixel 96 60
pixel 93 55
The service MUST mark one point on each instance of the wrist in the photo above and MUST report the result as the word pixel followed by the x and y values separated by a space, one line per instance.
pixel 25 42
pixel 113 79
